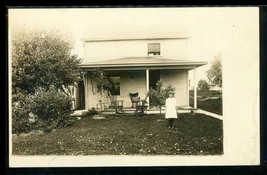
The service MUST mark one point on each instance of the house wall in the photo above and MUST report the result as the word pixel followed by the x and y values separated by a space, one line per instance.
pixel 105 50
pixel 177 78
pixel 132 81
pixel 92 96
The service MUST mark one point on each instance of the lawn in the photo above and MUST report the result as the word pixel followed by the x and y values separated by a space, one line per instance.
pixel 116 135
pixel 208 102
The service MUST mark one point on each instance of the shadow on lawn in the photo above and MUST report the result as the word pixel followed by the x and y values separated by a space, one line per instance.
pixel 115 135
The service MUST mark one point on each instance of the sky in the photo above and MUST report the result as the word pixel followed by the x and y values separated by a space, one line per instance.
pixel 210 28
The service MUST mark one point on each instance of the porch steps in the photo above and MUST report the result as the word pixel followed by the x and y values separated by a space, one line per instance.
pixel 79 113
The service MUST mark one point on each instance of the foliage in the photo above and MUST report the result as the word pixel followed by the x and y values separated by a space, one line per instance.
pixel 102 79
pixel 159 95
pixel 92 112
pixel 203 85
pixel 44 110
pixel 20 114
pixel 41 59
pixel 51 107
pixel 215 72
pixel 210 93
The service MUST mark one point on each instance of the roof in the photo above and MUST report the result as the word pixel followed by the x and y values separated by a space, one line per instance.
pixel 116 33
pixel 155 62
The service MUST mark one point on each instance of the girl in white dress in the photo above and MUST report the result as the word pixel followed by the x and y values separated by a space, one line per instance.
pixel 171 106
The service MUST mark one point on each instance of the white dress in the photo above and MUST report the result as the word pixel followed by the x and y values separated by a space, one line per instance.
pixel 170 108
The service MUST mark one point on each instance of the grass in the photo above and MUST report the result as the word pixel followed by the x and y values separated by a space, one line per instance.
pixel 115 135
pixel 206 103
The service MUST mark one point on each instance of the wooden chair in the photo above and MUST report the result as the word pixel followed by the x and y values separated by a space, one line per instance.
pixel 111 103
pixel 116 104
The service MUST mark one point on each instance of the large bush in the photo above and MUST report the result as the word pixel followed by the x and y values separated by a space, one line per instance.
pixel 44 110
pixel 20 114
pixel 52 109
pixel 42 59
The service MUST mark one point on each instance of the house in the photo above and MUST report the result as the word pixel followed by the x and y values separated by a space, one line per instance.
pixel 135 63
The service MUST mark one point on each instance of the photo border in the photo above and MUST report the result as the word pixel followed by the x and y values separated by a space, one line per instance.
pixel 171 170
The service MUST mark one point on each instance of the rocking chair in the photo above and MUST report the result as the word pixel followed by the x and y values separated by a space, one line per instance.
pixel 138 104
pixel 134 99
pixel 111 103
pixel 116 104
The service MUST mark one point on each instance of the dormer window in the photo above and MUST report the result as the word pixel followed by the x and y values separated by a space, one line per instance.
pixel 153 49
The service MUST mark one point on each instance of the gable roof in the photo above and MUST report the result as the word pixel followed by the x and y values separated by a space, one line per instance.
pixel 143 62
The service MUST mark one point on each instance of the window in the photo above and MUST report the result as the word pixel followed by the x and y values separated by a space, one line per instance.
pixel 115 88
pixel 153 49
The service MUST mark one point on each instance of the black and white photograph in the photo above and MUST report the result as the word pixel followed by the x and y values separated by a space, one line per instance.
pixel 92 87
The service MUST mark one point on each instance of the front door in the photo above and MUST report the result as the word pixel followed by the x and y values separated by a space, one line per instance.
pixel 80 96
pixel 154 77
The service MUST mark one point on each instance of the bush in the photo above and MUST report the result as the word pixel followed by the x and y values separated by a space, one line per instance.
pixel 20 114
pixel 215 93
pixel 52 109
pixel 159 95
pixel 210 93
pixel 92 112
pixel 45 110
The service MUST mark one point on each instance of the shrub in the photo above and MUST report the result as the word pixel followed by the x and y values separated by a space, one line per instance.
pixel 52 109
pixel 159 95
pixel 215 93
pixel 20 114
pixel 92 112
pixel 45 110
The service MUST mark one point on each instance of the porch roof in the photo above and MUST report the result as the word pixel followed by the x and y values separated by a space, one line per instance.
pixel 151 62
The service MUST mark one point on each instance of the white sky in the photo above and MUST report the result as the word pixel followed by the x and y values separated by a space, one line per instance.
pixel 209 27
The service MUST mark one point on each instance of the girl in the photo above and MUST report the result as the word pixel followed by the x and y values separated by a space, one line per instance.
pixel 171 112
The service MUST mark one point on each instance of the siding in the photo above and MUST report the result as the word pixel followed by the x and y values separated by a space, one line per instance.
pixel 105 50
pixel 177 78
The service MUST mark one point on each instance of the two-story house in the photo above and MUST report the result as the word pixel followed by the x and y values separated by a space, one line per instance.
pixel 135 64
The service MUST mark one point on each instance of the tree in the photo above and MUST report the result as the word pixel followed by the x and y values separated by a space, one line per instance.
pixel 42 59
pixel 159 95
pixel 215 72
pixel 102 80
pixel 203 85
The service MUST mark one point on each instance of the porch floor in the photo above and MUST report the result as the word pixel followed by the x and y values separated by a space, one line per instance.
pixel 130 111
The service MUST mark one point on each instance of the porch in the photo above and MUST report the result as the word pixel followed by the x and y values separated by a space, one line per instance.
pixel 139 74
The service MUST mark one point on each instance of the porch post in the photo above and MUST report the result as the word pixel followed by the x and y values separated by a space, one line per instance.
pixel 85 91
pixel 147 85
pixel 195 89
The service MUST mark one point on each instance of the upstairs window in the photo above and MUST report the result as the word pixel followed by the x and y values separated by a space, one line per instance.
pixel 153 49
